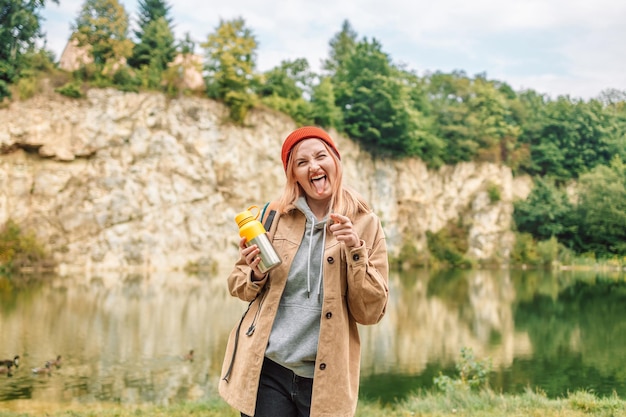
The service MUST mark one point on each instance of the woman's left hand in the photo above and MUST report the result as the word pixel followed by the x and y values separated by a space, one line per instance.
pixel 343 230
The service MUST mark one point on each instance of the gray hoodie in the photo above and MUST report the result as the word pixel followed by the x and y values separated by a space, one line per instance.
pixel 295 332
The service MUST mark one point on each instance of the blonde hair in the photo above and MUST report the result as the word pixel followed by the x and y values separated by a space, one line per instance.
pixel 344 200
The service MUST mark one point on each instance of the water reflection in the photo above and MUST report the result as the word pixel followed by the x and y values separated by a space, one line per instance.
pixel 123 340
pixel 120 342
pixel 434 315
pixel 558 332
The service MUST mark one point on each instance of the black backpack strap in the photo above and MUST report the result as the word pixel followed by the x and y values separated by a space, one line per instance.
pixel 267 221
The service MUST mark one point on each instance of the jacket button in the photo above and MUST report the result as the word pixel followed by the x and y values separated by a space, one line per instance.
pixel 330 259
pixel 356 257
pixel 329 315
pixel 322 366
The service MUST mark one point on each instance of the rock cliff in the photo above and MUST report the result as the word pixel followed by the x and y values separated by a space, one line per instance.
pixel 125 180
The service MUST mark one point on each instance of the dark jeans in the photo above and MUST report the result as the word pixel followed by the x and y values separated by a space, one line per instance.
pixel 282 393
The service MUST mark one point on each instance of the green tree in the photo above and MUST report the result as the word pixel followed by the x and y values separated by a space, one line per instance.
pixel 231 61
pixel 429 146
pixel 545 213
pixel 102 26
pixel 324 110
pixel 377 105
pixel 290 79
pixel 156 44
pixel 342 45
pixel 572 137
pixel 284 89
pixel 155 52
pixel 448 92
pixel 20 28
pixel 530 109
pixel 495 129
pixel 473 117
pixel 149 11
pixel 187 45
pixel 601 210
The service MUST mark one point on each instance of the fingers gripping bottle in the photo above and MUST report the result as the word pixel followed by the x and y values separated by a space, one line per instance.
pixel 255 234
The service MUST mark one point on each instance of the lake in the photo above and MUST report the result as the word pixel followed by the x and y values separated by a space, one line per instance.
pixel 123 338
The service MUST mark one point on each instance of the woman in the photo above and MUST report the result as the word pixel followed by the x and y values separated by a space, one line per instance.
pixel 296 351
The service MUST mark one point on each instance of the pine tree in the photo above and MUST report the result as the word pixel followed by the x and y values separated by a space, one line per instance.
pixel 342 45
pixel 149 11
pixel 156 47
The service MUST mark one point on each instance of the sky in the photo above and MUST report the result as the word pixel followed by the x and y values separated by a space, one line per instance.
pixel 555 47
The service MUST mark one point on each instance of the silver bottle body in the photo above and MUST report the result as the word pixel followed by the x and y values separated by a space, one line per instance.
pixel 269 257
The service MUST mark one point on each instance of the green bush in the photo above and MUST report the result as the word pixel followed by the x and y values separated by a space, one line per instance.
pixel 298 109
pixel 125 80
pixel 525 250
pixel 239 103
pixel 71 89
pixel 548 251
pixel 494 193
pixel 409 257
pixel 19 249
pixel 4 90
pixel 473 374
pixel 27 87
pixel 86 72
pixel 449 245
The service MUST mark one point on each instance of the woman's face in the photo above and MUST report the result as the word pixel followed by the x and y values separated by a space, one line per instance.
pixel 314 169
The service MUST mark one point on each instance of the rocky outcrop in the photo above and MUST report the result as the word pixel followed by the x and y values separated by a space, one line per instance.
pixel 187 67
pixel 127 180
pixel 74 56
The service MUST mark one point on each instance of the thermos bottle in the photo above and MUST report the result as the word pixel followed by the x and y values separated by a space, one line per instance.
pixel 255 234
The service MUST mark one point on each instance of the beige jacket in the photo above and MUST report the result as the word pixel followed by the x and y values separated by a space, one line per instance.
pixel 355 291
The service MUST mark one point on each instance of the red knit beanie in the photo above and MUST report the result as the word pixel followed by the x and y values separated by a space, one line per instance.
pixel 302 133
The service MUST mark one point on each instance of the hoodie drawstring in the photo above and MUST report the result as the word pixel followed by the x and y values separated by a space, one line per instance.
pixel 319 283
pixel 308 268
pixel 308 262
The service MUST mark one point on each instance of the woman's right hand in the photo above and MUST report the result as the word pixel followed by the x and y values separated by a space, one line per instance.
pixel 252 255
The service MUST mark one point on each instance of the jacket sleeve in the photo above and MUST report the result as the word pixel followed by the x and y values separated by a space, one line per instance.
pixel 240 282
pixel 368 272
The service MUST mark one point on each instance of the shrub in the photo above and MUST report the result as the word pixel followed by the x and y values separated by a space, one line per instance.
pixel 409 257
pixel 27 87
pixel 524 250
pixel 239 103
pixel 71 89
pixel 494 193
pixel 19 249
pixel 298 109
pixel 548 251
pixel 449 245
pixel 473 374
pixel 125 80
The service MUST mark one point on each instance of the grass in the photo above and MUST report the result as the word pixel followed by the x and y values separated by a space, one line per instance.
pixel 484 403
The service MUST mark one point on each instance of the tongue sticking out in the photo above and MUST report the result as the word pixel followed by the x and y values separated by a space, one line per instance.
pixel 319 184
